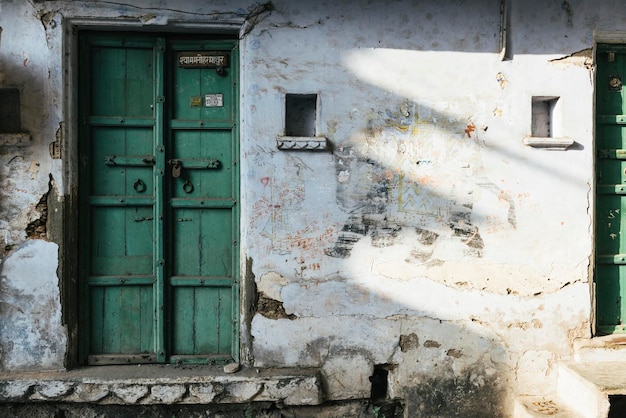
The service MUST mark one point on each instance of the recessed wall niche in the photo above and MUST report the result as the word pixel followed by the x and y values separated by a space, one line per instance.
pixel 11 133
pixel 546 126
pixel 301 122
pixel 545 118
pixel 10 121
pixel 300 114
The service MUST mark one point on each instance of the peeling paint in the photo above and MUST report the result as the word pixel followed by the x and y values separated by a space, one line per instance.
pixel 408 342
pixel 38 228
pixel 271 308
pixel 582 58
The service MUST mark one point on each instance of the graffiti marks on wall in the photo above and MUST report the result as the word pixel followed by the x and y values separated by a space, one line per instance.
pixel 419 170
pixel 278 214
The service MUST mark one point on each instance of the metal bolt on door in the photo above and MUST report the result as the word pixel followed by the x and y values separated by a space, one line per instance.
pixel 158 188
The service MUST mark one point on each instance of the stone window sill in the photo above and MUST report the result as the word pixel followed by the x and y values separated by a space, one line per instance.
pixel 164 384
pixel 20 139
pixel 561 143
pixel 302 143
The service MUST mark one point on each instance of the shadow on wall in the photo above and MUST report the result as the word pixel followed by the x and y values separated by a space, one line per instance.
pixel 414 167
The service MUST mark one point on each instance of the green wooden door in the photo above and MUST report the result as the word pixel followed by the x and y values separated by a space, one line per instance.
pixel 158 183
pixel 610 268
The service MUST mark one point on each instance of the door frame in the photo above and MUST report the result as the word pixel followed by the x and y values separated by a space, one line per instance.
pixel 67 215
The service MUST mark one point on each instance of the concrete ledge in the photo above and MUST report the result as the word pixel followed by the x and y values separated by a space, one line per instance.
pixel 164 384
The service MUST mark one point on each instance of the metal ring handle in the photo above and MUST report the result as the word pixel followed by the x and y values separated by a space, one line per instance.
pixel 139 186
pixel 188 187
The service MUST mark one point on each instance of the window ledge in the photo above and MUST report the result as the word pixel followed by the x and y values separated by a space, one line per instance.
pixel 302 143
pixel 561 143
pixel 19 139
pixel 164 384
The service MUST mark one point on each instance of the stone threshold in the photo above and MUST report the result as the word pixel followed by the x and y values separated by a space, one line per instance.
pixel 164 384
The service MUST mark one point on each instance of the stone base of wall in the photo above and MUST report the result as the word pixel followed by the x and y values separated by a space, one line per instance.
pixel 164 385
pixel 352 409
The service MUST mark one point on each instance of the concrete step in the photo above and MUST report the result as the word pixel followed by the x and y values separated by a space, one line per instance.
pixel 590 384
pixel 609 348
pixel 541 407
pixel 583 387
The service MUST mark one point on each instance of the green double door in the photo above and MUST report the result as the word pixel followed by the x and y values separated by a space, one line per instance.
pixel 158 187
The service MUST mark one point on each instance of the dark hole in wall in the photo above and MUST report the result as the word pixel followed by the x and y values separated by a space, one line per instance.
pixel 300 114
pixel 271 308
pixel 10 121
pixel 618 406
pixel 379 381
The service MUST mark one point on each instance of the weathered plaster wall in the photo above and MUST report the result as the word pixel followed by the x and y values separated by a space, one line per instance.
pixel 32 336
pixel 429 241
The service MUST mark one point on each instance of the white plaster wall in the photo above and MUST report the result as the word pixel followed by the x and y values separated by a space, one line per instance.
pixel 25 65
pixel 485 258
pixel 420 92
pixel 32 336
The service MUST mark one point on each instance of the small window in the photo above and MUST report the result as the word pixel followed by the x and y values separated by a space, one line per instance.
pixel 545 117
pixel 300 114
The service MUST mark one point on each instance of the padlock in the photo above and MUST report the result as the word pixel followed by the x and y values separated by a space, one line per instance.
pixel 177 167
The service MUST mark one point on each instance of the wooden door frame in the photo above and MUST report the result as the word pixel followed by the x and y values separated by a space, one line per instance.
pixel 67 215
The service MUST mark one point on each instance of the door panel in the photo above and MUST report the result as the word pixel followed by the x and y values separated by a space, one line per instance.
pixel 192 84
pixel 119 75
pixel 202 207
pixel 122 320
pixel 111 175
pixel 158 245
pixel 203 244
pixel 610 238
pixel 198 313
pixel 122 241
pixel 196 149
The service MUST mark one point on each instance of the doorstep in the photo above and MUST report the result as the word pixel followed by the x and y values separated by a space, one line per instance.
pixel 594 375
pixel 164 384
